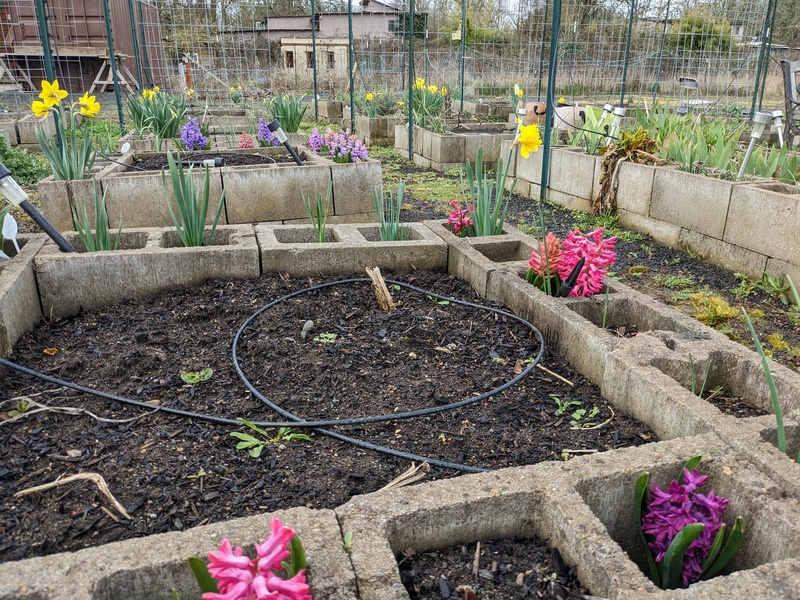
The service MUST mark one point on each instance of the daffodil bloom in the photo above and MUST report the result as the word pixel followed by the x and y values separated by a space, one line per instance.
pixel 529 140
pixel 40 109
pixel 89 106
pixel 444 91
pixel 419 83
pixel 148 94
pixel 233 89
pixel 562 100
pixel 189 92
pixel 156 89
pixel 400 103
pixel 50 93
pixel 433 89
pixel 239 88
pixel 370 97
pixel 518 91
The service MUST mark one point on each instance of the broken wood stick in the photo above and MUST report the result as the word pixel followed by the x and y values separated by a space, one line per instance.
pixel 385 300
pixel 98 480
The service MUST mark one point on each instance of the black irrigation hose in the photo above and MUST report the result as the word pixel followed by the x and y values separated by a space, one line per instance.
pixel 298 421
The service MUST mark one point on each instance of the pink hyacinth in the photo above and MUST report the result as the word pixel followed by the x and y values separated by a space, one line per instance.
pixel 551 248
pixel 459 218
pixel 599 255
pixel 246 140
pixel 667 512
pixel 242 578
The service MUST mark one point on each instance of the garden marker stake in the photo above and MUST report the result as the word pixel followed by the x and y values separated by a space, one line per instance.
pixel 572 279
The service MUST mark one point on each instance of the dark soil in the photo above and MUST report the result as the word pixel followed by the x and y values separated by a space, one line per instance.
pixel 232 159
pixel 501 570
pixel 173 472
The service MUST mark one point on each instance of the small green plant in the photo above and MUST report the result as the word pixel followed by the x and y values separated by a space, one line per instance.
pixel 387 206
pixel 288 111
pixel 439 301
pixel 20 407
pixel 347 541
pixel 563 406
pixel 675 282
pixel 486 207
pixel 773 390
pixel 593 134
pixel 579 415
pixel 694 377
pixel 197 376
pixel 192 203
pixel 101 238
pixel 164 114
pixel 609 221
pixel 28 168
pixel 712 309
pixel 318 213
pixel 255 446
pixel 326 338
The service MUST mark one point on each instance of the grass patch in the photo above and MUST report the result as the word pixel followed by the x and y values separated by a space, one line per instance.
pixel 610 224
pixel 675 282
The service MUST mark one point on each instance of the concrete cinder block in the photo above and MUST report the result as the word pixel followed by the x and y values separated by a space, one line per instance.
pixel 572 174
pixel 723 254
pixel 330 109
pixel 635 188
pixel 530 169
pixel 274 193
pixel 474 258
pixel 351 249
pixel 692 201
pixel 151 567
pixel 20 309
pixel 764 218
pixel 445 147
pixel 55 198
pixel 8 129
pixel 661 231
pixel 27 125
pixel 149 261
pixel 353 185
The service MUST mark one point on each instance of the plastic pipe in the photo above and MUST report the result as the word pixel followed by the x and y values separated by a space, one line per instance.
pixel 275 127
pixel 777 119
pixel 16 195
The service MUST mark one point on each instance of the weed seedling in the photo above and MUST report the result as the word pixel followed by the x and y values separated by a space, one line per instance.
pixel 255 446
pixel 563 406
pixel 438 301
pixel 326 338
pixel 197 376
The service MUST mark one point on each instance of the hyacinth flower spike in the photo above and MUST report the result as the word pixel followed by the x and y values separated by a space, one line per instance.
pixel 685 529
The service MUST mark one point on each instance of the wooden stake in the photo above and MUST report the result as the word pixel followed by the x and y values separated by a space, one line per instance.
pixel 381 291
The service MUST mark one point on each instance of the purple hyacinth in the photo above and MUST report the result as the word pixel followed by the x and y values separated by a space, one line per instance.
pixel 341 146
pixel 667 512
pixel 191 135
pixel 264 135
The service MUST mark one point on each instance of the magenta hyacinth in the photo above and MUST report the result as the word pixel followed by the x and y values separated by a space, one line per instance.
pixel 242 578
pixel 599 255
pixel 667 512
pixel 460 219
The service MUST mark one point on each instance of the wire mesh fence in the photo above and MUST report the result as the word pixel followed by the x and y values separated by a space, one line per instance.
pixel 231 52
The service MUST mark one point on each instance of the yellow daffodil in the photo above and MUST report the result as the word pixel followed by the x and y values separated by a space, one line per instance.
pixel 400 103
pixel 562 100
pixel 518 91
pixel 419 83
pixel 370 97
pixel 90 107
pixel 529 140
pixel 444 91
pixel 156 89
pixel 40 109
pixel 233 89
pixel 238 88
pixel 189 92
pixel 148 94
pixel 433 89
pixel 50 93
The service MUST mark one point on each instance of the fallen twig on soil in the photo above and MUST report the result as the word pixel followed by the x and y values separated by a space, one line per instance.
pixel 381 291
pixel 556 375
pixel 98 479
pixel 408 477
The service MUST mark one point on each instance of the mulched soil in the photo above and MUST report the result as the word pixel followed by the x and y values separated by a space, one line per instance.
pixel 494 570
pixel 232 159
pixel 174 472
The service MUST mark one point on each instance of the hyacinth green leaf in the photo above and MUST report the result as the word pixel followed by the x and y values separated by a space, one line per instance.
pixel 672 563
pixel 201 574
pixel 175 594
pixel 640 495
pixel 690 466
pixel 732 546
pixel 715 548
pixel 297 557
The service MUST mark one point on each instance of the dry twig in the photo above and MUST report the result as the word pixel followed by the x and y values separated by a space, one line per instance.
pixel 413 474
pixel 98 480
pixel 381 291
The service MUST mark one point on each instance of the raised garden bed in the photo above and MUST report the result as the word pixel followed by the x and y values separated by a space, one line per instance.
pixel 20 309
pixel 261 193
